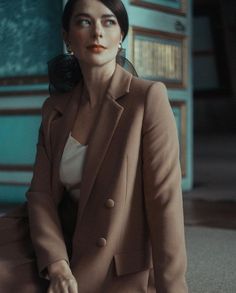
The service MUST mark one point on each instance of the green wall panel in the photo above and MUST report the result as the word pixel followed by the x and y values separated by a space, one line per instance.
pixel 19 135
pixel 12 194
pixel 30 35
pixel 167 3
pixel 177 115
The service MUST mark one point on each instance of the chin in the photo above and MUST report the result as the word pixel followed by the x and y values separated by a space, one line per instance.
pixel 97 60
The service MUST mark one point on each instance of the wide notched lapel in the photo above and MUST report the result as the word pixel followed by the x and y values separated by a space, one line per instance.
pixel 106 124
pixel 108 120
pixel 60 129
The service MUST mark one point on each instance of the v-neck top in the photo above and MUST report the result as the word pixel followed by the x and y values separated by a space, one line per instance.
pixel 71 166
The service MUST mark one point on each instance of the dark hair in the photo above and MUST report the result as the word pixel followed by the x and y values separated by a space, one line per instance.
pixel 116 6
pixel 64 70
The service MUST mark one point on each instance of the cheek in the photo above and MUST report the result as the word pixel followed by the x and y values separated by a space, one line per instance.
pixel 115 40
pixel 77 38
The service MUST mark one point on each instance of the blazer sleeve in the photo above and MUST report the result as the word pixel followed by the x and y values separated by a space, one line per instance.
pixel 45 227
pixel 162 191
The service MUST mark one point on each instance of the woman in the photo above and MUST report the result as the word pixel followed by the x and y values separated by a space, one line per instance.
pixel 105 203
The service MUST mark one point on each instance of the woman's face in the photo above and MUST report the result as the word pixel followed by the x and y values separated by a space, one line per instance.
pixel 91 24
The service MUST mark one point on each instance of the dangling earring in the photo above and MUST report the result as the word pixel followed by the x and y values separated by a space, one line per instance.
pixel 121 51
pixel 68 48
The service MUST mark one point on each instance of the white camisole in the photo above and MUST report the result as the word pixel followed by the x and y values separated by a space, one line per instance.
pixel 71 166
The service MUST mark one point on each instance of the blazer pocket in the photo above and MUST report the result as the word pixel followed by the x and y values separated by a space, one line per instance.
pixel 132 262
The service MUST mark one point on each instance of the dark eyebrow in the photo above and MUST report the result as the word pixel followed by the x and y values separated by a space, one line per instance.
pixel 82 14
pixel 87 15
pixel 108 15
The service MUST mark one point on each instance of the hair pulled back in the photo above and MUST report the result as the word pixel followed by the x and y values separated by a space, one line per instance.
pixel 64 70
pixel 116 6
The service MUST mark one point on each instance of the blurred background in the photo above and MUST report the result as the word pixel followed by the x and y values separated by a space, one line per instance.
pixel 189 45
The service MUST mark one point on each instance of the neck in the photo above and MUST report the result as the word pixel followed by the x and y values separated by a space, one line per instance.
pixel 96 81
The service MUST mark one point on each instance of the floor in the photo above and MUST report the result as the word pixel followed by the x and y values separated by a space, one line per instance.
pixel 211 255
pixel 210 216
pixel 212 202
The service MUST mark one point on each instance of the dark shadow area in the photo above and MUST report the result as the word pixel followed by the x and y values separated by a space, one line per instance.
pixel 212 201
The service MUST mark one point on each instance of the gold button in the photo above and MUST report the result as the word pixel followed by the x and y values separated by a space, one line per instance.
pixel 101 242
pixel 109 203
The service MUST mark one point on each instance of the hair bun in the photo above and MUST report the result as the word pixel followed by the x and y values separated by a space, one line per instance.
pixel 64 73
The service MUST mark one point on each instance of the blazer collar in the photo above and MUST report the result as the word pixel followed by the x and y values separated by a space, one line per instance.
pixel 120 82
pixel 120 77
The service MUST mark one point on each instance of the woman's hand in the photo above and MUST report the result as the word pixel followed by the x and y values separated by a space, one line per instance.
pixel 61 278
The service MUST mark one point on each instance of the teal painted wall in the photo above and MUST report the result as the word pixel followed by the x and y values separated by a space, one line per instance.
pixel 29 36
pixel 11 194
pixel 20 134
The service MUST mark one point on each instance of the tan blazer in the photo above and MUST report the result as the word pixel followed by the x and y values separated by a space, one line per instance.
pixel 130 216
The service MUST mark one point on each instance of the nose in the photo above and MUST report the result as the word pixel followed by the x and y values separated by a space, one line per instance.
pixel 98 31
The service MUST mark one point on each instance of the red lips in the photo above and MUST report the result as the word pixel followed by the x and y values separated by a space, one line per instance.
pixel 96 48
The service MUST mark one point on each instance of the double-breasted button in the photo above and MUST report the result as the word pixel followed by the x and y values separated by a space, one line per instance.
pixel 109 203
pixel 101 242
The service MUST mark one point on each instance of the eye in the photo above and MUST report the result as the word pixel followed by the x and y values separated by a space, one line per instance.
pixel 84 22
pixel 110 22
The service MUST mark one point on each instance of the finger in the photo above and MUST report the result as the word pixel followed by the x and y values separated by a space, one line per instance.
pixel 51 288
pixel 73 288
pixel 63 287
pixel 57 287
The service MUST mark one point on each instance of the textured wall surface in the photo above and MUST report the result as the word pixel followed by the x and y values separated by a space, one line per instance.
pixel 30 35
